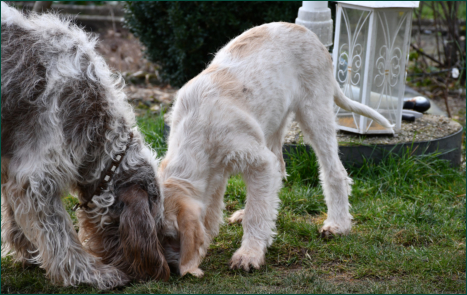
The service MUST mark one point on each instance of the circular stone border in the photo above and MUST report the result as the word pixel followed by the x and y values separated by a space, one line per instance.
pixel 448 147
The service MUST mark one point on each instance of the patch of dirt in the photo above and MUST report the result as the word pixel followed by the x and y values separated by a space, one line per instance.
pixel 456 106
pixel 123 52
pixel 456 101
pixel 150 98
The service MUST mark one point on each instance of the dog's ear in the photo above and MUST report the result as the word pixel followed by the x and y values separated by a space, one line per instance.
pixel 192 237
pixel 179 201
pixel 138 234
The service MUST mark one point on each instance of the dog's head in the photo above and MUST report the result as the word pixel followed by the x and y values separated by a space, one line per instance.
pixel 184 237
pixel 125 234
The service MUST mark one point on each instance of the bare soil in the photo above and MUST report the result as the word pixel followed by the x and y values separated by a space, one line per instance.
pixel 456 102
pixel 125 54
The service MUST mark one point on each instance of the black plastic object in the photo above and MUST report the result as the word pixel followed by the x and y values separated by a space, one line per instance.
pixel 410 118
pixel 418 103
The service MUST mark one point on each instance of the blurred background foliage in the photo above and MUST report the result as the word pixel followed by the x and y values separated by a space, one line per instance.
pixel 183 37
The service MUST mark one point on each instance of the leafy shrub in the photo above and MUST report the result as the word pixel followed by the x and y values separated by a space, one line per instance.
pixel 183 37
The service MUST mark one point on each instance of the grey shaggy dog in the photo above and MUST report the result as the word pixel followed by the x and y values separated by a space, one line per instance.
pixel 65 121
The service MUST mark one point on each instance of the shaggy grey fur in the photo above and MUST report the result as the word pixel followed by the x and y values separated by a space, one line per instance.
pixel 64 118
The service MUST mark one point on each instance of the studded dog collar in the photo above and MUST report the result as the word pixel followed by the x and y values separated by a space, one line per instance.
pixel 107 176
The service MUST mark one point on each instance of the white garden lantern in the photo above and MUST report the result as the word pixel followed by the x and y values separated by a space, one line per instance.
pixel 370 55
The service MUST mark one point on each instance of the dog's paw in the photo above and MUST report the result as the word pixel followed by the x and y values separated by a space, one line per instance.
pixel 244 258
pixel 193 270
pixel 326 233
pixel 331 229
pixel 113 279
pixel 237 217
pixel 196 272
pixel 104 277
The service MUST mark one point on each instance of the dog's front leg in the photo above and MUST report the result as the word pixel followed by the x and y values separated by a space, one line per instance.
pixel 263 181
pixel 41 219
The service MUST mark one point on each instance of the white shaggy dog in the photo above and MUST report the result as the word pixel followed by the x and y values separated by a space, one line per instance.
pixel 232 118
pixel 66 126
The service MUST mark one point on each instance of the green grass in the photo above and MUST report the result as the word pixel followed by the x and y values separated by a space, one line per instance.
pixel 409 235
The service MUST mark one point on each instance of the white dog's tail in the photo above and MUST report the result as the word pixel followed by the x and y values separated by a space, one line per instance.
pixel 353 106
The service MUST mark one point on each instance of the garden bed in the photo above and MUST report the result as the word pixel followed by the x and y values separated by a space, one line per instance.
pixel 427 128
pixel 427 135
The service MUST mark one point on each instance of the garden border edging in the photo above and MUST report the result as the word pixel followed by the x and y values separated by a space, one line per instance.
pixel 449 147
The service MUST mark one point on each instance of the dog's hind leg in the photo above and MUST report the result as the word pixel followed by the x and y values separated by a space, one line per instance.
pixel 276 148
pixel 263 181
pixel 317 123
pixel 34 199
pixel 214 216
pixel 276 141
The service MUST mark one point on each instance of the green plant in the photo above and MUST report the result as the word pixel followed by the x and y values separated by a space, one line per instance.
pixel 183 36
